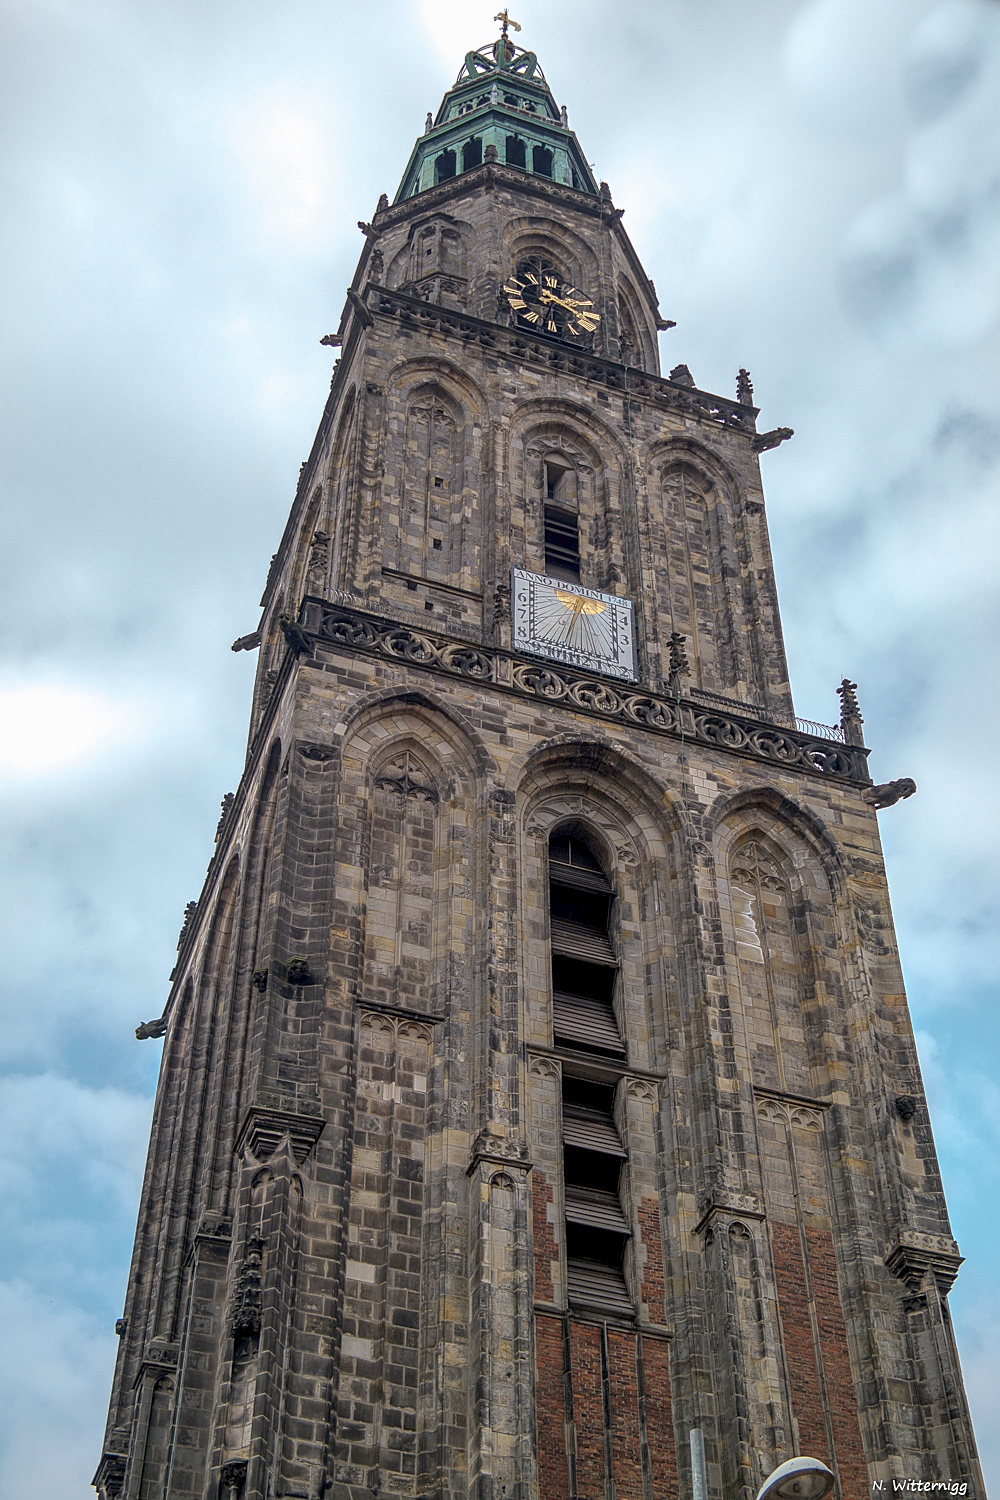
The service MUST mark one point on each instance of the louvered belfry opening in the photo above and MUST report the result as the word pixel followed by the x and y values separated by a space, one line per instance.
pixel 584 965
pixel 584 976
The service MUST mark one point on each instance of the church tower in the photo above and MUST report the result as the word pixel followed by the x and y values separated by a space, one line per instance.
pixel 539 1115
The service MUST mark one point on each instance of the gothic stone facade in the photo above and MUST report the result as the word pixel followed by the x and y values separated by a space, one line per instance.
pixel 408 1226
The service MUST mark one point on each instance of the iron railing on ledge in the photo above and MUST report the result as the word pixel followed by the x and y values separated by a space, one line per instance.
pixel 804 726
pixel 734 729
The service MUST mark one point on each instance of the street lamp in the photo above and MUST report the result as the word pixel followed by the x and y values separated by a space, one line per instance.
pixel 798 1479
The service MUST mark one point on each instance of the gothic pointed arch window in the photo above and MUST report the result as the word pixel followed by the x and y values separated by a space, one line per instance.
pixel 772 972
pixel 444 166
pixel 698 606
pixel 631 344
pixel 399 941
pixel 432 541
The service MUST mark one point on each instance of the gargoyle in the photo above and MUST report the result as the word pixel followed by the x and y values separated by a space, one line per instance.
pixel 247 642
pixel 150 1030
pixel 889 792
pixel 767 440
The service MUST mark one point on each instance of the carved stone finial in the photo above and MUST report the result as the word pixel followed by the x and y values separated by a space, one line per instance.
pixel 850 714
pixel 744 388
pixel 189 916
pixel 376 267
pixel 151 1030
pixel 245 1307
pixel 679 664
pixel 227 807
pixel 605 193
pixel 564 117
pixel 260 979
pixel 888 793
pixel 383 203
pixel 491 154
pixel 681 375
pixel 428 123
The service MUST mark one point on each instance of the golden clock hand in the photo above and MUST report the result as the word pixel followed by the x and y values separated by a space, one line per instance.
pixel 546 296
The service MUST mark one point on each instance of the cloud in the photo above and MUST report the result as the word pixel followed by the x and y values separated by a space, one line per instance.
pixel 54 1378
pixel 46 728
pixel 281 139
pixel 921 261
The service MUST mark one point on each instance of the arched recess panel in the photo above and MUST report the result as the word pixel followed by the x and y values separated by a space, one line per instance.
pixel 400 924
pixel 571 525
pixel 340 523
pixel 779 917
pixel 435 538
pixel 699 605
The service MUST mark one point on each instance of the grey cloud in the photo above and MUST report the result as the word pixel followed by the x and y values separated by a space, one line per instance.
pixel 923 258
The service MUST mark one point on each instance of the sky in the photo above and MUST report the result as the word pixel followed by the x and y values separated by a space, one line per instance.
pixel 814 186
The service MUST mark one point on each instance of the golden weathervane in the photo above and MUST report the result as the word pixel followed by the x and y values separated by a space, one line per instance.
pixel 505 21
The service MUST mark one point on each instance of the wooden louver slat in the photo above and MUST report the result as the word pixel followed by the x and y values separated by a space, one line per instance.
pixel 594 1285
pixel 575 940
pixel 586 1022
pixel 596 1210
pixel 592 1132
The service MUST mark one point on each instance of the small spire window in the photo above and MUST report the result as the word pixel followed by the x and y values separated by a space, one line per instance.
pixel 515 154
pixel 541 161
pixel 472 154
pixel 444 166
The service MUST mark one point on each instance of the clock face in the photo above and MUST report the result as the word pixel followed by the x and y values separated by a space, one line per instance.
pixel 545 303
pixel 579 627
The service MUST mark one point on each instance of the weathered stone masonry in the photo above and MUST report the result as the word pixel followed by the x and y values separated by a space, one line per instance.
pixel 419 1216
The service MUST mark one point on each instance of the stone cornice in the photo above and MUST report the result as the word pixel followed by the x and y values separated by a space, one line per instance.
pixel 559 359
pixel 612 702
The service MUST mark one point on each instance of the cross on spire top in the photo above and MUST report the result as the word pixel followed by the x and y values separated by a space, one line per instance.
pixel 505 20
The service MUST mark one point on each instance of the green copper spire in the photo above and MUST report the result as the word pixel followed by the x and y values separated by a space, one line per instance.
pixel 500 109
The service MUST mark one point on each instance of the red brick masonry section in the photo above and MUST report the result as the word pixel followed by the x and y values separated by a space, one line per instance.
pixel 659 1421
pixel 543 1237
pixel 588 1410
pixel 626 1438
pixel 851 1464
pixel 801 1357
pixel 652 1243
pixel 550 1409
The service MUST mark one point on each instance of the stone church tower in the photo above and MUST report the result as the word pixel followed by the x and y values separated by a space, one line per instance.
pixel 539 1115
